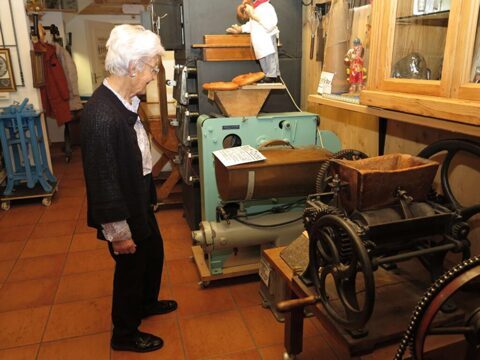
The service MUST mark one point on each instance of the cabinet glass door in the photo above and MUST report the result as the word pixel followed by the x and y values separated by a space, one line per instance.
pixel 415 39
pixel 466 79
pixel 425 58
pixel 419 39
pixel 475 67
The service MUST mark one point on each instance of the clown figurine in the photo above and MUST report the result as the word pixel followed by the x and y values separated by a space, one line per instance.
pixel 355 70
pixel 262 26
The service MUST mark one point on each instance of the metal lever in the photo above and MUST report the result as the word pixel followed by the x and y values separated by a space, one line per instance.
pixel 192 113
pixel 222 214
pixel 405 200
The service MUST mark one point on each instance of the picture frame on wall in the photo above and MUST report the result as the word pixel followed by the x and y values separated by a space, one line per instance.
pixel 38 73
pixel 7 78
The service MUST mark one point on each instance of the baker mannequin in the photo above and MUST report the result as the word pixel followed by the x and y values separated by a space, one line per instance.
pixel 262 25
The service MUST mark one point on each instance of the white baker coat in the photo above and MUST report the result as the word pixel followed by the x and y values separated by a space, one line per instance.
pixel 262 31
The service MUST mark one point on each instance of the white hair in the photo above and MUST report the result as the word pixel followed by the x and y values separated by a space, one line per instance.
pixel 130 43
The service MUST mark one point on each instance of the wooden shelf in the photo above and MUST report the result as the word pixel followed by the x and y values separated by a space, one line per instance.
pixel 433 19
pixel 72 11
pixel 430 122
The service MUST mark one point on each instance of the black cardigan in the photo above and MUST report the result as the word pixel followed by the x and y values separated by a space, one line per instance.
pixel 112 164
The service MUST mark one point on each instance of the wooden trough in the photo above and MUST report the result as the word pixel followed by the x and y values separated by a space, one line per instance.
pixel 246 101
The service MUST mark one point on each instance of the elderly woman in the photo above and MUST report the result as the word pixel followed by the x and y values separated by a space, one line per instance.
pixel 117 166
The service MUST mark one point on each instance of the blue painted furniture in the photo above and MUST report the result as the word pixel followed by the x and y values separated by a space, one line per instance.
pixel 23 147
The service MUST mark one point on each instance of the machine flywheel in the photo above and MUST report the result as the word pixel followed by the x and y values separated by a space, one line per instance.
pixel 337 255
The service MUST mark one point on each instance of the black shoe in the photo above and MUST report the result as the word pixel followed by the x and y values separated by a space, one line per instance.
pixel 269 80
pixel 160 307
pixel 140 342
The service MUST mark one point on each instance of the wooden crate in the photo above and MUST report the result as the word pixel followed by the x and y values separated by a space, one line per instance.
pixel 226 47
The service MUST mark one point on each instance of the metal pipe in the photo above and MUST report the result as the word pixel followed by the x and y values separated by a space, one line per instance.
pixel 221 235
pixel 413 254
pixel 451 330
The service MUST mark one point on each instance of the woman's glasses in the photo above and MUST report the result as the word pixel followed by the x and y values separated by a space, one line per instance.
pixel 154 69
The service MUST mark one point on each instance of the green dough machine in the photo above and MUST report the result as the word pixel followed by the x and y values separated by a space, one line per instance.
pixel 233 232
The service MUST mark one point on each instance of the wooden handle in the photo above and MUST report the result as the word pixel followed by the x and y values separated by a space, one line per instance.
pixel 289 305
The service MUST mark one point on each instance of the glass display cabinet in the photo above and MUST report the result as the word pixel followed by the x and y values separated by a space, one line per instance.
pixel 425 58
pixel 466 79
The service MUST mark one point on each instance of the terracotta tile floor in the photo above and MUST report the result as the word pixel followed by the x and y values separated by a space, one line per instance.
pixel 55 288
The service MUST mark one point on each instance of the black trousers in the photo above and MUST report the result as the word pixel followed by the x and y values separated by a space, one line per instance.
pixel 137 279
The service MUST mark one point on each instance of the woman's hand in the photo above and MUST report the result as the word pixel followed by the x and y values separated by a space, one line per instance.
pixel 124 247
pixel 234 29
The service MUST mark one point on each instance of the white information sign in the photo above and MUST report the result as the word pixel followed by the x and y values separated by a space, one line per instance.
pixel 325 84
pixel 238 155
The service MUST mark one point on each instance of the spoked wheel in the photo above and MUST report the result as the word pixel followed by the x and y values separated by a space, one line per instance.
pixel 452 147
pixel 337 254
pixel 421 329
pixel 324 176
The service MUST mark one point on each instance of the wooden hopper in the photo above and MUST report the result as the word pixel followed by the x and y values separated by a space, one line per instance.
pixel 372 182
pixel 246 101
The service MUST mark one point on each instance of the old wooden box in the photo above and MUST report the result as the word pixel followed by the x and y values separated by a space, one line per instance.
pixel 373 182
pixel 226 47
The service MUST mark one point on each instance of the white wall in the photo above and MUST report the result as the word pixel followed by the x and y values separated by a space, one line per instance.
pixel 77 26
pixel 66 22
pixel 21 27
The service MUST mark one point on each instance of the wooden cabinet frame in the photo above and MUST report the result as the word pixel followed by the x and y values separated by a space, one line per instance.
pixel 462 87
pixel 452 97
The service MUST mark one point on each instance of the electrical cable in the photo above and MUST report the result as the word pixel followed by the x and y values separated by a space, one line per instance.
pixel 275 209
pixel 268 226
pixel 289 94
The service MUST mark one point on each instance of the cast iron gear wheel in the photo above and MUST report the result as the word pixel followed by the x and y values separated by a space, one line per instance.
pixel 336 250
pixel 312 214
pixel 322 178
pixel 430 304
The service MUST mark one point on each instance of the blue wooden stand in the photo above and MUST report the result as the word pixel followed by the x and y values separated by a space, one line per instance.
pixel 23 147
